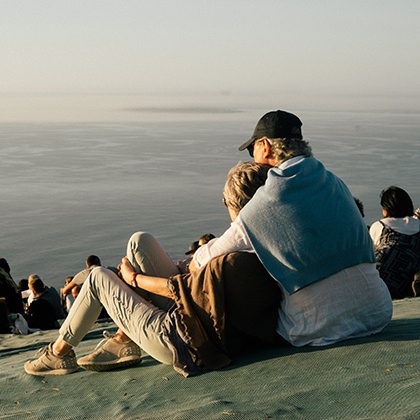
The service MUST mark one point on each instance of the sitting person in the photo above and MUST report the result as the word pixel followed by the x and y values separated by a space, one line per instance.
pixel 192 321
pixel 40 291
pixel 92 261
pixel 24 291
pixel 207 237
pixel 183 265
pixel 66 299
pixel 44 309
pixel 396 240
pixel 322 259
pixel 11 303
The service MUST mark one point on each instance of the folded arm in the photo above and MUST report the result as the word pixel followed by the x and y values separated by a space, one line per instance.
pixel 156 285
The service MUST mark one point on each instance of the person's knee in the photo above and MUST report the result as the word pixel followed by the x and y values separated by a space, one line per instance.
pixel 140 239
pixel 97 275
pixel 140 236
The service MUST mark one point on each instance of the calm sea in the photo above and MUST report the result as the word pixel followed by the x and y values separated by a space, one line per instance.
pixel 71 190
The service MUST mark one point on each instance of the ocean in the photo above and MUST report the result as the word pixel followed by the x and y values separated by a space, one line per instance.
pixel 74 189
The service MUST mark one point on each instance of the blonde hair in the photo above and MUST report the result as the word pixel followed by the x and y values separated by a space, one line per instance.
pixel 242 182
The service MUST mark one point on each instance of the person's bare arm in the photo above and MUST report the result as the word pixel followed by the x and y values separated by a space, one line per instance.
pixel 67 289
pixel 156 285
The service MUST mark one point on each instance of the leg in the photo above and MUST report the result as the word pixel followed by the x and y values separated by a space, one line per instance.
pixel 147 256
pixel 136 317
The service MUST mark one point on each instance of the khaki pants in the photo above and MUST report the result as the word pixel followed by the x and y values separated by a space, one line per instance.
pixel 140 319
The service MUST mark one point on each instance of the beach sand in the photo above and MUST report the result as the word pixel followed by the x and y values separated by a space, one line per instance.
pixel 373 378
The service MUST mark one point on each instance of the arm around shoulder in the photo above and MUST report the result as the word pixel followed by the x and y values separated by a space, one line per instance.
pixel 67 289
pixel 234 239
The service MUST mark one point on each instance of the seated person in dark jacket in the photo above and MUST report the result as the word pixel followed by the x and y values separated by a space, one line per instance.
pixel 45 309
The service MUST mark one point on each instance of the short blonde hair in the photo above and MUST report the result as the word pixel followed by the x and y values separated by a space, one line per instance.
pixel 242 182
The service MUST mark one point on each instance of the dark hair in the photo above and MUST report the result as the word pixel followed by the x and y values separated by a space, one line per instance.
pixel 359 205
pixel 206 238
pixel 23 285
pixel 93 260
pixel 396 202
pixel 36 283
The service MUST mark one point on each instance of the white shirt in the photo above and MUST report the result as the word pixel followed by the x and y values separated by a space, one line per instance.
pixel 352 303
pixel 406 225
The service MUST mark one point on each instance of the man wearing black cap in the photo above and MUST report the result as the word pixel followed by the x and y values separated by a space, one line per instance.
pixel 306 229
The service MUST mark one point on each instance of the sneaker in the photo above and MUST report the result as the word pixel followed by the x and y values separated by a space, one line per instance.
pixel 111 355
pixel 49 364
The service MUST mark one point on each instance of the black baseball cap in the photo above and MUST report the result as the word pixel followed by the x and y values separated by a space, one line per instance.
pixel 193 247
pixel 275 125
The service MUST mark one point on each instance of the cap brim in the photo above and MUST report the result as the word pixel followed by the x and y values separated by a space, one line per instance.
pixel 246 144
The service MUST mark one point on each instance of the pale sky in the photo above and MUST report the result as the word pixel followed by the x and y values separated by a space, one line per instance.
pixel 73 58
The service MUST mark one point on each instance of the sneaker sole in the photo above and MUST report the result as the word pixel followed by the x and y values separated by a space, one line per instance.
pixel 101 367
pixel 57 372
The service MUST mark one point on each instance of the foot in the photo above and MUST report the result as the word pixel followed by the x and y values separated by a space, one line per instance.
pixel 50 364
pixel 111 355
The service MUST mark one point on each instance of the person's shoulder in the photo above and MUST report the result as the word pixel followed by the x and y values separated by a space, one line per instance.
pixel 81 276
pixel 50 290
pixel 376 225
pixel 375 230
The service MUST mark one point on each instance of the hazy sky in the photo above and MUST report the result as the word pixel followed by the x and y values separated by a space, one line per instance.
pixel 82 57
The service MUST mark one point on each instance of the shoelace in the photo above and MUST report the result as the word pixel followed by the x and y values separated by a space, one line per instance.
pixel 107 336
pixel 42 350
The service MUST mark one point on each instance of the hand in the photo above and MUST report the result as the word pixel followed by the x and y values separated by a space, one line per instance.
pixel 126 270
pixel 183 266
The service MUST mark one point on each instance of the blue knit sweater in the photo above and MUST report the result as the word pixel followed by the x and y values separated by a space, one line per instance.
pixel 305 226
